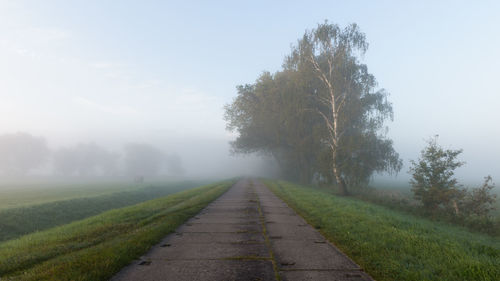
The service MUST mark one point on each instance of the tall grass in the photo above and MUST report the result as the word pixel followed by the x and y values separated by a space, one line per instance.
pixel 99 246
pixel 392 245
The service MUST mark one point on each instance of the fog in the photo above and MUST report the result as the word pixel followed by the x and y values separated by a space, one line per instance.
pixel 30 158
pixel 158 74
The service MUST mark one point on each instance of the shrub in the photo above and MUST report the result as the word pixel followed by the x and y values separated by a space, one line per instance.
pixel 479 201
pixel 433 183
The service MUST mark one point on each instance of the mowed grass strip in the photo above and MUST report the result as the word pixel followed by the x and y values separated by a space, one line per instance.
pixel 390 245
pixel 98 247
pixel 16 222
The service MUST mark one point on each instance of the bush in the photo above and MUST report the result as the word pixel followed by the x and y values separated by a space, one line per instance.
pixel 479 201
pixel 433 183
pixel 442 197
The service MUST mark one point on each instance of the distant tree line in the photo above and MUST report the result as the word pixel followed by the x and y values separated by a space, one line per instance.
pixel 22 153
pixel 321 116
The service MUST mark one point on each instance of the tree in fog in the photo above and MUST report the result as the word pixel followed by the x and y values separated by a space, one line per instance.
pixel 173 164
pixel 21 153
pixel 434 184
pixel 479 201
pixel 320 116
pixel 270 118
pixel 143 160
pixel 85 160
pixel 352 110
pixel 433 181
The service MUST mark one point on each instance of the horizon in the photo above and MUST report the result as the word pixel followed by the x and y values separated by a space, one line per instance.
pixel 160 72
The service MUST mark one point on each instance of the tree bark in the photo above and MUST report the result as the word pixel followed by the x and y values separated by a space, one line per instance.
pixel 335 104
pixel 338 178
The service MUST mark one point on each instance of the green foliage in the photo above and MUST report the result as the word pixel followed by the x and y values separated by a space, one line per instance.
pixel 353 112
pixel 479 201
pixel 477 206
pixel 391 245
pixel 98 247
pixel 272 117
pixel 288 114
pixel 44 216
pixel 441 195
pixel 488 222
pixel 433 182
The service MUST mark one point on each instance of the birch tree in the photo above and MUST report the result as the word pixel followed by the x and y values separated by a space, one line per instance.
pixel 320 116
pixel 352 111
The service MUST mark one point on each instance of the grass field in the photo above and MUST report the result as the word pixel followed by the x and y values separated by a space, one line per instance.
pixel 16 195
pixel 97 247
pixel 390 245
pixel 15 222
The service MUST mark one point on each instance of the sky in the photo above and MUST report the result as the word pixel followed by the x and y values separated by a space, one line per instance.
pixel 161 71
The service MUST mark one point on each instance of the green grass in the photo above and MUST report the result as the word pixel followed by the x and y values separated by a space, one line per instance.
pixel 98 247
pixel 17 195
pixel 391 245
pixel 15 222
pixel 403 190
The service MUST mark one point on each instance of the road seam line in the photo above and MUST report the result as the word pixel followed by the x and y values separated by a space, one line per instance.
pixel 266 237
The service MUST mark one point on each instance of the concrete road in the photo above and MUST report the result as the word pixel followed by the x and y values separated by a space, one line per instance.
pixel 246 234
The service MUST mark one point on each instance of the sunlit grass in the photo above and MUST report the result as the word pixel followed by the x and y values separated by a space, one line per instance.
pixel 98 247
pixel 391 245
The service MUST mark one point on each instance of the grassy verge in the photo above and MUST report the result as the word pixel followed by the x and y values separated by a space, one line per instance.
pixel 401 199
pixel 15 222
pixel 98 247
pixel 392 245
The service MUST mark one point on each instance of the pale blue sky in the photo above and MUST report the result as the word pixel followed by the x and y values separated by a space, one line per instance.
pixel 141 70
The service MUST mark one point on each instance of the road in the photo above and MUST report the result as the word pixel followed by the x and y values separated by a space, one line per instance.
pixel 246 234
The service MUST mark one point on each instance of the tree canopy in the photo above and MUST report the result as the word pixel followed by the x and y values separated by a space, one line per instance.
pixel 321 116
pixel 433 181
pixel 434 185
